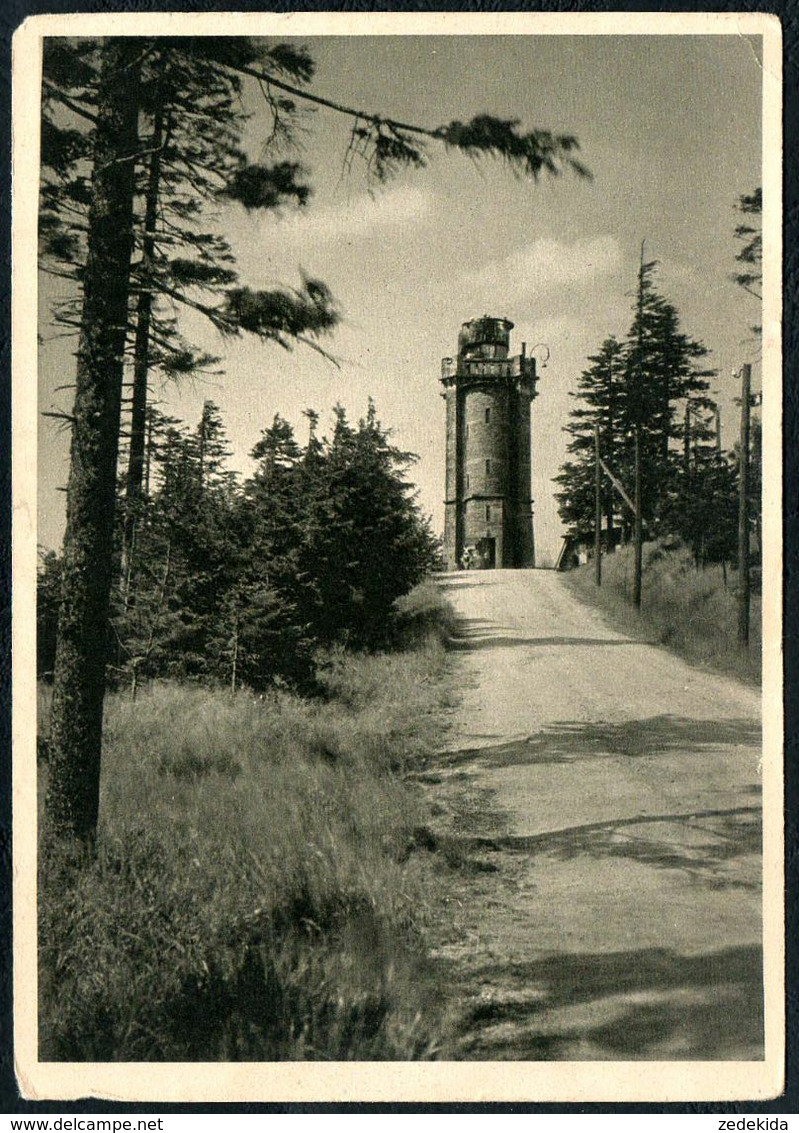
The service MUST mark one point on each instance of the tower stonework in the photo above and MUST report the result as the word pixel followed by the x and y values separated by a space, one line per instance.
pixel 488 500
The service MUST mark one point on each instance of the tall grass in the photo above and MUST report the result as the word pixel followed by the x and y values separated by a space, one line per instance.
pixel 693 612
pixel 253 895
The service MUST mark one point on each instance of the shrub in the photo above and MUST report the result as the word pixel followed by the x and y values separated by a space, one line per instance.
pixel 421 614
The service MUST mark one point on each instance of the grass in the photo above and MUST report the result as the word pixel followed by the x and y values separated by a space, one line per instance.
pixel 254 894
pixel 690 611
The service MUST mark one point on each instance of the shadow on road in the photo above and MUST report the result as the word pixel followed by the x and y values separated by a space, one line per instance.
pixel 489 642
pixel 569 740
pixel 457 584
pixel 484 633
pixel 700 845
pixel 653 1002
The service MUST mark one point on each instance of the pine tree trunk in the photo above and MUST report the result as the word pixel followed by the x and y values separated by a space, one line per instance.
pixel 79 682
pixel 141 355
pixel 149 452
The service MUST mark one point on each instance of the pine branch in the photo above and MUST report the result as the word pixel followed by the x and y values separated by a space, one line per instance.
pixel 389 138
pixel 65 100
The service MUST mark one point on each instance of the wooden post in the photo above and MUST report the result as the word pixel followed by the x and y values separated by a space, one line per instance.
pixel 597 511
pixel 639 528
pixel 743 509
pixel 756 461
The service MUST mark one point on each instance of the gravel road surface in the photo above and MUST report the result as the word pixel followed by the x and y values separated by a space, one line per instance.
pixel 601 798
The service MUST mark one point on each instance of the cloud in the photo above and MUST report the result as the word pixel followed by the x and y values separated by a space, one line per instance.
pixel 545 266
pixel 361 217
pixel 673 273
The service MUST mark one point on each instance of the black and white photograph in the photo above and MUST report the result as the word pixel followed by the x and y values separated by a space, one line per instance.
pixel 397 471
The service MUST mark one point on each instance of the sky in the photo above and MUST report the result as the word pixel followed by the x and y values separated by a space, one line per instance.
pixel 670 127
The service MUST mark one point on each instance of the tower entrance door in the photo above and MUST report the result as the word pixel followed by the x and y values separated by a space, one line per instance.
pixel 487 550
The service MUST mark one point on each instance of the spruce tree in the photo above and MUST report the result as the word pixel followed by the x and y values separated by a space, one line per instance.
pixel 645 382
pixel 600 397
pixel 184 555
pixel 366 542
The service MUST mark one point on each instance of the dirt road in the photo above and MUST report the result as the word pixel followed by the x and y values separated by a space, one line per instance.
pixel 605 799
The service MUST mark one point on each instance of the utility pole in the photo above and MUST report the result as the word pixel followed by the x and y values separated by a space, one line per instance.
pixel 756 462
pixel 743 509
pixel 639 528
pixel 597 510
pixel 686 442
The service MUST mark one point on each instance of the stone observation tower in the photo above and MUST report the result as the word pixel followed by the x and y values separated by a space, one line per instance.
pixel 489 518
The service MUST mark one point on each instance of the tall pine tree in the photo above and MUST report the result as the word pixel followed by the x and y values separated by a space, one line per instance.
pixel 79 683
pixel 646 382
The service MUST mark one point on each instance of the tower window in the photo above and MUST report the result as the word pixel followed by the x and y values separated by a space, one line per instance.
pixel 488 468
pixel 467 432
pixel 467 481
pixel 488 511
pixel 488 415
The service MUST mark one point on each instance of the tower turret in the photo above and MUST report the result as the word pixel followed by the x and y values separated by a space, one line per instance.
pixel 488 503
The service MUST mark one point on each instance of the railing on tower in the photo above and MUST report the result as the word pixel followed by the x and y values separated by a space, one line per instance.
pixel 488 368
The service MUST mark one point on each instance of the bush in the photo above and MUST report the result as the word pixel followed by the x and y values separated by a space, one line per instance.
pixel 422 614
